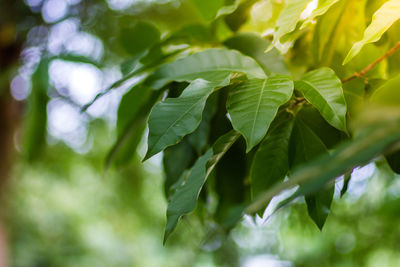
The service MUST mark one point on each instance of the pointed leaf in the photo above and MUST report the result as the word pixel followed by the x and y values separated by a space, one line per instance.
pixel 184 200
pixel 211 65
pixel 323 6
pixel 289 17
pixel 174 118
pixel 271 163
pixel 383 18
pixel 346 181
pixel 323 89
pixel 253 105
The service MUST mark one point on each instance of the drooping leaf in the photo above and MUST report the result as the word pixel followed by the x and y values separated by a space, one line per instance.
pixel 253 105
pixel 254 46
pixel 323 89
pixel 305 146
pixel 211 65
pixel 176 159
pixel 172 119
pixel 328 134
pixel 383 18
pixel 184 200
pixel 199 138
pixel 371 141
pixel 230 186
pixel 288 18
pixel 271 163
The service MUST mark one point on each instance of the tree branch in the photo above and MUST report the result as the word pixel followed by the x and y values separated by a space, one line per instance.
pixel 373 64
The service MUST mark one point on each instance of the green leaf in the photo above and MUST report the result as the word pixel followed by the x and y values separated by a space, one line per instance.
pixel 383 18
pixel 305 146
pixel 138 38
pixel 271 163
pixel 254 46
pixel 176 159
pixel 371 141
pixel 230 185
pixel 199 138
pixel 211 65
pixel 323 89
pixel 172 119
pixel 184 200
pixel 288 18
pixel 323 7
pixel 253 105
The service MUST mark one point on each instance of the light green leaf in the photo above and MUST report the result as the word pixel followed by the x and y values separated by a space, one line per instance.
pixel 254 46
pixel 253 105
pixel 323 7
pixel 174 118
pixel 211 65
pixel 383 18
pixel 184 200
pixel 288 18
pixel 271 163
pixel 323 89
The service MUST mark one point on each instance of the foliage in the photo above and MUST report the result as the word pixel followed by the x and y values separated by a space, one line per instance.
pixel 242 114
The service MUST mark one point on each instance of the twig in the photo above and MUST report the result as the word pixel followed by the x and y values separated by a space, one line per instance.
pixel 373 64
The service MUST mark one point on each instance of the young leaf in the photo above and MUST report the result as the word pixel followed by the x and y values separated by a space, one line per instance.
pixel 184 200
pixel 211 65
pixel 253 105
pixel 174 118
pixel 254 46
pixel 271 163
pixel 323 89
pixel 383 18
pixel 323 6
pixel 288 18
pixel 306 146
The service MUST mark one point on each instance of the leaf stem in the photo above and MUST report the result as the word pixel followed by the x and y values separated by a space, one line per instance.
pixel 373 64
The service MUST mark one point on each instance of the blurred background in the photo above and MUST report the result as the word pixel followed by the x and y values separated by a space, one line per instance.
pixel 60 207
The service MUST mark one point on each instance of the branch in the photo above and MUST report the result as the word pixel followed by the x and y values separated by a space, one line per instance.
pixel 373 64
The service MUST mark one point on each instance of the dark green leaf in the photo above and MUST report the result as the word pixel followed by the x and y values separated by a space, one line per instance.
pixel 271 163
pixel 184 200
